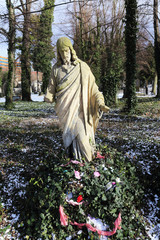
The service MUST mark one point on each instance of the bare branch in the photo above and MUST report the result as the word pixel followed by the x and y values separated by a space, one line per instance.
pixel 146 39
pixel 55 5
pixel 19 9
pixel 44 9
pixel 4 32
pixel 145 5
pixel 22 5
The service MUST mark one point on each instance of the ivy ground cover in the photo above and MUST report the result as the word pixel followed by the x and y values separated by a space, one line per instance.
pixel 35 180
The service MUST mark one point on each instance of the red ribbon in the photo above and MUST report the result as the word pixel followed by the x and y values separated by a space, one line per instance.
pixel 104 233
pixel 64 222
pixel 63 216
pixel 74 162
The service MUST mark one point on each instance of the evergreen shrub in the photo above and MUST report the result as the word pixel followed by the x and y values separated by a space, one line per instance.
pixel 108 186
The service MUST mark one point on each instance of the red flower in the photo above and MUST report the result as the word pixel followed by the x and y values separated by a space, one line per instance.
pixel 79 198
pixel 99 155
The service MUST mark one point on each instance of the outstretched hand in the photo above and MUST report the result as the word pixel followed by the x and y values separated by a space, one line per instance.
pixel 104 108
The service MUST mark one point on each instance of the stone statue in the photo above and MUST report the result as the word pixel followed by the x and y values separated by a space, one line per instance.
pixel 78 101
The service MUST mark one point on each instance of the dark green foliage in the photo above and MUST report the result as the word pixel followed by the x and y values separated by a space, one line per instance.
pixel 50 182
pixel 96 65
pixel 3 82
pixel 25 55
pixel 4 77
pixel 109 83
pixel 31 127
pixel 11 55
pixel 157 43
pixel 146 66
pixel 0 77
pixel 9 86
pixel 130 42
pixel 25 76
pixel 111 79
pixel 42 52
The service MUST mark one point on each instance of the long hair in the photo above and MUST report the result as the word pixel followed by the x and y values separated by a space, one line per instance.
pixel 62 43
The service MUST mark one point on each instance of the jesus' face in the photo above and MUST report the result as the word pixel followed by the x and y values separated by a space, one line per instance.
pixel 65 55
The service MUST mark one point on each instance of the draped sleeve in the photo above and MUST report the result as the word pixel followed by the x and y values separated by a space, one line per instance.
pixel 92 97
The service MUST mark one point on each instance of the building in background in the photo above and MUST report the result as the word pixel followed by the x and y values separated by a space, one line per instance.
pixel 36 78
pixel 4 63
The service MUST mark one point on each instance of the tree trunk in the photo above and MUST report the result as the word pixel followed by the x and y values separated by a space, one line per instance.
pixel 154 85
pixel 37 82
pixel 25 56
pixel 157 45
pixel 146 86
pixel 130 41
pixel 11 55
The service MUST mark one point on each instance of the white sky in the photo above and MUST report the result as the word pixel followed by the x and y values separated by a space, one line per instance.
pixel 3 46
pixel 59 18
pixel 60 22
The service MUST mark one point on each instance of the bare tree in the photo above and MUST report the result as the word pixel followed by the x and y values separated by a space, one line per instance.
pixel 157 44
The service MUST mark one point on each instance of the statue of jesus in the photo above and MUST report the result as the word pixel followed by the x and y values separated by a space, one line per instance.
pixel 78 101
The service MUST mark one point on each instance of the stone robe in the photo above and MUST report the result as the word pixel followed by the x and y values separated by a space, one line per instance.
pixel 77 98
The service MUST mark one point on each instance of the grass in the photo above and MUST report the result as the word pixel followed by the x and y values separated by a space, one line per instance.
pixel 146 107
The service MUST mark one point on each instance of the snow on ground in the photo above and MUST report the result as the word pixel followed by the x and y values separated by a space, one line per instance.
pixel 37 98
pixel 34 97
pixel 2 100
pixel 141 92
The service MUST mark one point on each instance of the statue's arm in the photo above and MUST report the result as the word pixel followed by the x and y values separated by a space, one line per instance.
pixel 50 93
pixel 104 108
pixel 100 101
